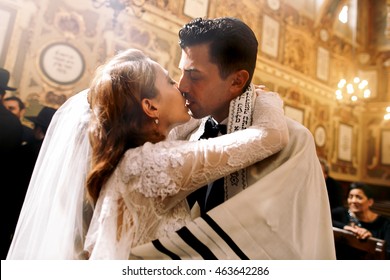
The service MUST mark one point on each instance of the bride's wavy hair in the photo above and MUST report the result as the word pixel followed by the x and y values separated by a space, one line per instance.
pixel 118 121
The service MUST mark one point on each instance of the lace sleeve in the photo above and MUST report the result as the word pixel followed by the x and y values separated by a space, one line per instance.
pixel 268 115
pixel 170 170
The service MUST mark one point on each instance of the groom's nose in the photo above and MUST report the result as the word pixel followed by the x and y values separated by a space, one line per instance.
pixel 183 84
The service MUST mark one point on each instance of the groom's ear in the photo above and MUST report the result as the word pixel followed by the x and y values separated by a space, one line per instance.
pixel 239 80
pixel 149 107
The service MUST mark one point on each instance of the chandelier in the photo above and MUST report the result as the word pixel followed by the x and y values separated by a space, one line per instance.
pixel 351 92
pixel 120 5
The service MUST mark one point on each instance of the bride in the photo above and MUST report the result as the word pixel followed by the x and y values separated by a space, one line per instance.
pixel 106 181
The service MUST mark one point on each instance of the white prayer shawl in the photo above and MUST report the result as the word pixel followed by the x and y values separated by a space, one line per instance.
pixel 284 214
pixel 240 110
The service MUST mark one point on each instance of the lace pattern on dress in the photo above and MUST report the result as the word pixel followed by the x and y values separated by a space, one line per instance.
pixel 145 197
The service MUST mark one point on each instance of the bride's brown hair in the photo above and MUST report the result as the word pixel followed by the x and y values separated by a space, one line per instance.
pixel 118 121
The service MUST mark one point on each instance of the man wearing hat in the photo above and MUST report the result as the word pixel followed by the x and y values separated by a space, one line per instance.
pixel 41 123
pixel 10 126
pixel 10 145
pixel 18 108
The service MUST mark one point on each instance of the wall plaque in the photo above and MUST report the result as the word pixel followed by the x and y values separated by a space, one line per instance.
pixel 62 63
pixel 320 136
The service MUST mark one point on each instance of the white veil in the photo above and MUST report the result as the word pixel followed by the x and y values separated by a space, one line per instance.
pixel 55 215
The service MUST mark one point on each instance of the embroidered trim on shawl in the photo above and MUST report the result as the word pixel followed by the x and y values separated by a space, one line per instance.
pixel 240 117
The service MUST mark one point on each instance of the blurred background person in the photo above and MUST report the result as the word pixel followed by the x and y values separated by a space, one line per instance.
pixel 19 165
pixel 10 126
pixel 359 219
pixel 10 143
pixel 335 191
pixel 18 108
pixel 41 123
pixel 25 158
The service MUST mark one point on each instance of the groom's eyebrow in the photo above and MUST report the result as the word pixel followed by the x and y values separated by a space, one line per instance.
pixel 191 70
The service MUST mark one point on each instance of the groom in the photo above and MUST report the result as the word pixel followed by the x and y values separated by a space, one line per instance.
pixel 280 208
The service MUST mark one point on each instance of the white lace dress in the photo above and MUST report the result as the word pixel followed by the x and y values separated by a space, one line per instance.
pixel 144 199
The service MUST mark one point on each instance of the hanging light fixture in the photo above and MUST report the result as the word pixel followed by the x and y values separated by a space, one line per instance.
pixel 357 89
pixel 352 91
pixel 120 5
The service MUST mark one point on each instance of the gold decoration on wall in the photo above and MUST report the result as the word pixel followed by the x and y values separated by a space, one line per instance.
pixel 71 25
pixel 135 6
pixel 296 53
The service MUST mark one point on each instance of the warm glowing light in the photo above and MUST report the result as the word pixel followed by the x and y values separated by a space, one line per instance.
pixel 387 115
pixel 363 84
pixel 350 89
pixel 342 83
pixel 343 16
pixel 367 93
pixel 355 90
pixel 339 94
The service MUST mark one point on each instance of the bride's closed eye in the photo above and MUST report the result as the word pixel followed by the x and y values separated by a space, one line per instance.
pixel 171 81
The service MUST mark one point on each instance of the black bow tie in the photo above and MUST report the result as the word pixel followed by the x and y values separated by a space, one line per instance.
pixel 212 129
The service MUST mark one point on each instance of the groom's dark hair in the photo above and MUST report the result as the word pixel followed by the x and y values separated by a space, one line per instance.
pixel 232 43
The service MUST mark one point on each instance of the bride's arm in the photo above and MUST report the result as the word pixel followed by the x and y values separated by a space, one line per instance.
pixel 172 169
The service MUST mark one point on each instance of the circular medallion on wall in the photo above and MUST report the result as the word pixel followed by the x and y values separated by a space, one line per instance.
pixel 274 4
pixel 62 63
pixel 320 136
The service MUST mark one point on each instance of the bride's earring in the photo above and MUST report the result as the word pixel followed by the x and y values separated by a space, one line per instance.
pixel 156 121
